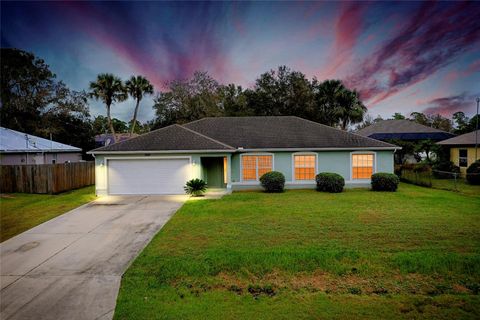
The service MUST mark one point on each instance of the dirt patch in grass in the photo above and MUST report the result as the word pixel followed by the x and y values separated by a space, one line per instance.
pixel 272 283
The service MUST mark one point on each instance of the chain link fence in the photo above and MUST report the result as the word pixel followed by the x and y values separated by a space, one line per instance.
pixel 423 175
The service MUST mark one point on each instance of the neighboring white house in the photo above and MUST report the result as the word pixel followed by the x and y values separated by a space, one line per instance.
pixel 21 148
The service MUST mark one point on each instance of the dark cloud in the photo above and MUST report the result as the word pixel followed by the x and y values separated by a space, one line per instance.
pixel 447 106
pixel 432 38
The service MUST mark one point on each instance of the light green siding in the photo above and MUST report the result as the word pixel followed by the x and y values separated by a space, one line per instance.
pixel 327 161
pixel 235 167
pixel 336 162
pixel 385 161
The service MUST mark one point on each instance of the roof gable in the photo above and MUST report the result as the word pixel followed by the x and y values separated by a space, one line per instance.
pixel 173 138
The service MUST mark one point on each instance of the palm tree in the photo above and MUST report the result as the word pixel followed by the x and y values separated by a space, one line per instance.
pixel 137 87
pixel 350 109
pixel 109 89
pixel 327 100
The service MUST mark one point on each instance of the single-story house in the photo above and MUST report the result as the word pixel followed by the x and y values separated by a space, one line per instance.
pixel 106 139
pixel 234 152
pixel 462 149
pixel 21 148
pixel 405 130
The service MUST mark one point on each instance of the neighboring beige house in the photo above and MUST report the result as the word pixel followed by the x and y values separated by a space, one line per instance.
pixel 462 149
pixel 21 148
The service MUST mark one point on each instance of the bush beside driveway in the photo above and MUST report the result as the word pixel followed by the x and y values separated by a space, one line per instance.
pixel 304 254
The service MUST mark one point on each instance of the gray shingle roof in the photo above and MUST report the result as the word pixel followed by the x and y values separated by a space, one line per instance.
pixel 396 126
pixel 403 130
pixel 174 138
pixel 279 133
pixel 464 139
pixel 230 133
pixel 14 141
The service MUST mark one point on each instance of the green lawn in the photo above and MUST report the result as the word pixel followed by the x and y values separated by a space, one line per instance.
pixel 309 255
pixel 22 211
pixel 461 186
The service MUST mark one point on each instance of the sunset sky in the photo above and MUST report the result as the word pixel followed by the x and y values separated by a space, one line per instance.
pixel 402 57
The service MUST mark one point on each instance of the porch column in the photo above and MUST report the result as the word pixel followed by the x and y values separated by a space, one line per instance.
pixel 229 171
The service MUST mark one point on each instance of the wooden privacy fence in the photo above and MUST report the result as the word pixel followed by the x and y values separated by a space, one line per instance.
pixel 46 178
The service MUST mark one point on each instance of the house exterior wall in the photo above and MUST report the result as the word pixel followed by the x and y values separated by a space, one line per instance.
pixel 327 161
pixel 38 158
pixel 454 155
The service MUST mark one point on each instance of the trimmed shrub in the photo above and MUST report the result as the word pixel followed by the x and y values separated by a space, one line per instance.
pixel 383 181
pixel 195 187
pixel 273 181
pixel 473 173
pixel 330 182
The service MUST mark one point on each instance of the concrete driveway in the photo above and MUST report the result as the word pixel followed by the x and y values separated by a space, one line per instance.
pixel 70 267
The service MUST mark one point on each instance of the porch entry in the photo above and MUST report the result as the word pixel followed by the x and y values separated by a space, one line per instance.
pixel 215 171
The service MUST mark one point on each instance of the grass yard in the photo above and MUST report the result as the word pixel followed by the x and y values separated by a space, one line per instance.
pixel 461 186
pixel 308 255
pixel 22 211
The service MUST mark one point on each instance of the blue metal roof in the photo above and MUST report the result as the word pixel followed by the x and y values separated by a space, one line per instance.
pixel 15 141
pixel 436 136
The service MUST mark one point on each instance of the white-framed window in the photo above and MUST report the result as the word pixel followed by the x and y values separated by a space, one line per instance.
pixel 463 158
pixel 362 165
pixel 304 166
pixel 255 165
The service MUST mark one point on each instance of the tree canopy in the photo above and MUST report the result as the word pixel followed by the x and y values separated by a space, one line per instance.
pixel 35 102
pixel 280 92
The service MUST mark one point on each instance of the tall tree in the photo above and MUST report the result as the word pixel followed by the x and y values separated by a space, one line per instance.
pixel 137 87
pixel 188 100
pixel 440 122
pixel 100 125
pixel 281 92
pixel 234 101
pixel 351 109
pixel 336 105
pixel 398 116
pixel 109 89
pixel 35 102
pixel 420 118
pixel 461 122
pixel 28 87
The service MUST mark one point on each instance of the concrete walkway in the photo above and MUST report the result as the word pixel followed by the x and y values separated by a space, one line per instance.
pixel 70 267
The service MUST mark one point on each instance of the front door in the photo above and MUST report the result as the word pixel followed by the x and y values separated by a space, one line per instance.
pixel 213 171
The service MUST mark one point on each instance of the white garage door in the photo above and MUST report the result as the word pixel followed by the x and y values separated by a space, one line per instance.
pixel 147 176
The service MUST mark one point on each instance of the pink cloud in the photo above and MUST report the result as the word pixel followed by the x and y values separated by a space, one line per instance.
pixel 430 40
pixel 348 28
pixel 447 106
